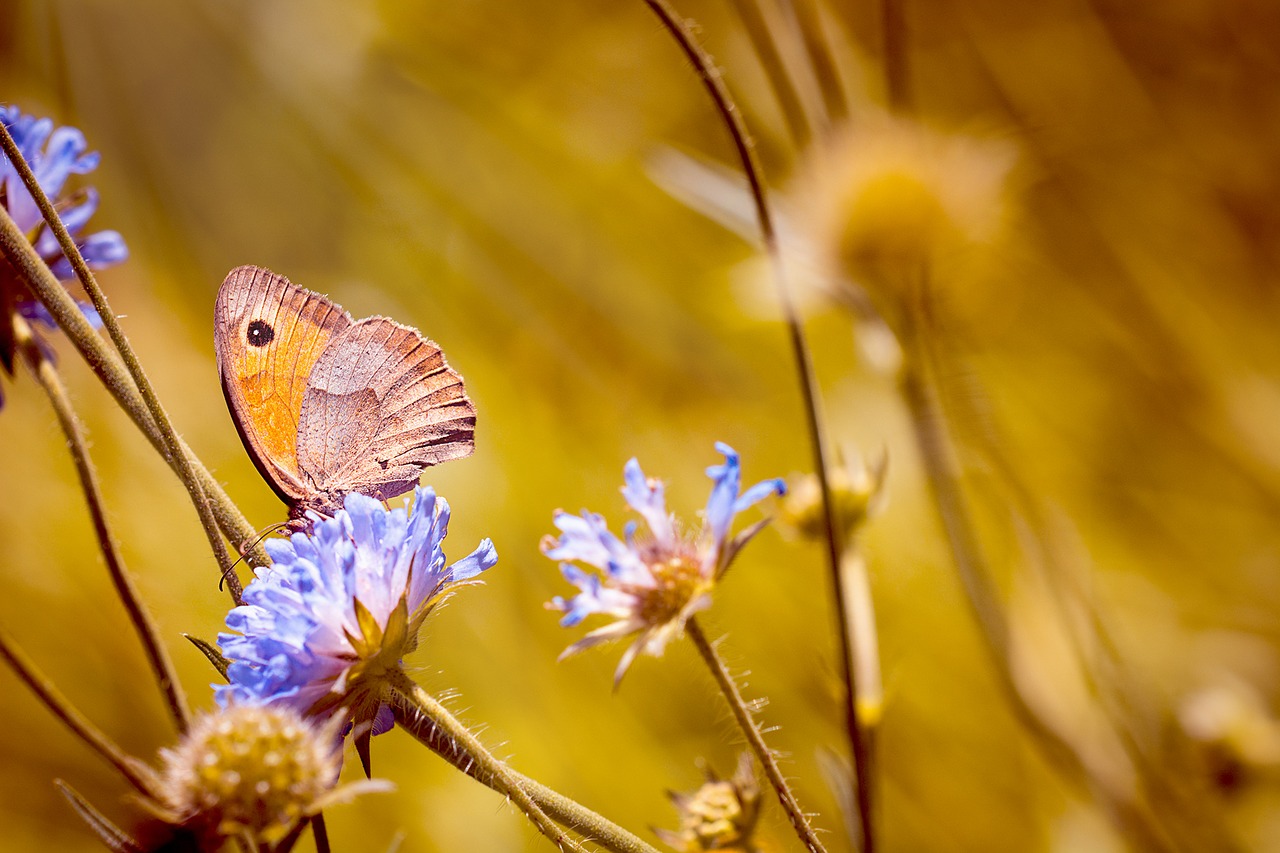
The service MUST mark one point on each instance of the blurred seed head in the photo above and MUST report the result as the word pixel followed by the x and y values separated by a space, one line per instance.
pixel 251 771
pixel 857 488
pixel 721 815
pixel 1237 735
pixel 892 200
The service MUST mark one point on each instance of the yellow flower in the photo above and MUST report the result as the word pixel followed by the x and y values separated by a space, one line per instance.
pixel 891 201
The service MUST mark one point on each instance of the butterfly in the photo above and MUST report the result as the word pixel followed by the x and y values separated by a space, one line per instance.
pixel 327 405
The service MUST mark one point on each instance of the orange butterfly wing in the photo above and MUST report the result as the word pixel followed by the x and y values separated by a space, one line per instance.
pixel 269 334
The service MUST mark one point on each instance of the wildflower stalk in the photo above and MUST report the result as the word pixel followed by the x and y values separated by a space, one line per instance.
pixel 19 252
pixel 164 428
pixel 161 666
pixel 859 740
pixel 755 738
pixel 558 807
pixel 784 89
pixel 920 392
pixel 62 708
pixel 320 832
pixel 893 49
pixel 819 52
pixel 495 773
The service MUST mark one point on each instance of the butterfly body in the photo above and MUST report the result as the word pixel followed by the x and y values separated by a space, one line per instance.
pixel 327 405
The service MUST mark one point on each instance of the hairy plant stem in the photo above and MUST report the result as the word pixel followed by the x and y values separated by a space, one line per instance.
pixel 860 742
pixel 168 437
pixel 161 666
pixel 755 738
pixel 568 813
pixel 108 368
pixel 62 708
pixel 493 771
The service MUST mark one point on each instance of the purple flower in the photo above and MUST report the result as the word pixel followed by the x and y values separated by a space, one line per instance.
pixel 54 154
pixel 650 582
pixel 325 624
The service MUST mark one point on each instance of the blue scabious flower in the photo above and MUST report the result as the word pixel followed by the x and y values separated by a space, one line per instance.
pixel 54 154
pixel 325 624
pixel 651 582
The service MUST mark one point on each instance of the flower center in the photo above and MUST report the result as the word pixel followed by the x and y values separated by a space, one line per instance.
pixel 678 579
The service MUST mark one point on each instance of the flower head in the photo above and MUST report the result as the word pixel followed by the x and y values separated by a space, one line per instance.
pixel 721 815
pixel 249 770
pixel 892 200
pixel 651 582
pixel 326 625
pixel 54 154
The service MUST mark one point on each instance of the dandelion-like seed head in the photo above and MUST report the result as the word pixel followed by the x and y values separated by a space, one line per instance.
pixel 720 815
pixel 327 623
pixel 857 490
pixel 892 199
pixel 650 581
pixel 249 770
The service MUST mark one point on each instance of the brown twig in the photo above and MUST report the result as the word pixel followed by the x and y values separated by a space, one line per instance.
pixel 859 742
pixel 161 666
pixel 62 708
pixel 168 437
pixel 755 738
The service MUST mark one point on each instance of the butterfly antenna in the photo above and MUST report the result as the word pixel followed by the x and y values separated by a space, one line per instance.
pixel 246 548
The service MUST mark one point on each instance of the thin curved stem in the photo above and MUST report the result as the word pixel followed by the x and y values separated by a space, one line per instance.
pixel 859 742
pixel 562 809
pixel 62 708
pixel 755 738
pixel 169 438
pixel 161 666
pixel 496 773
pixel 107 366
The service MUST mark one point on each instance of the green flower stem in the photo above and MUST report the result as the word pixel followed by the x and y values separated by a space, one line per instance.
pixel 860 742
pixel 110 370
pixel 161 666
pixel 755 738
pixel 490 769
pixel 47 693
pixel 168 437
pixel 560 808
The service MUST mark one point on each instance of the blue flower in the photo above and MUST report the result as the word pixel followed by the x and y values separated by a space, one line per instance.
pixel 651 582
pixel 323 626
pixel 54 154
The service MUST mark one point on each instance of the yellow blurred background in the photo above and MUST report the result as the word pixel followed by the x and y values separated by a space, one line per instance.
pixel 522 182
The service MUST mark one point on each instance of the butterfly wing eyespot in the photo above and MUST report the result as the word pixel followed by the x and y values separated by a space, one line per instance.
pixel 268 334
pixel 259 333
pixel 326 405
